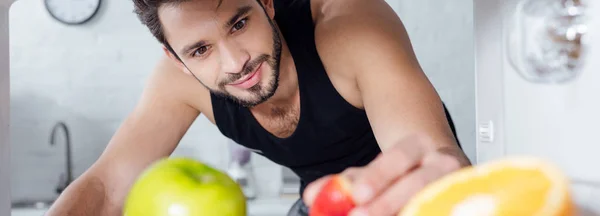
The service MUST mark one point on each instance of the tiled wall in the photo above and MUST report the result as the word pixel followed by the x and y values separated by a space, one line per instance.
pixel 91 76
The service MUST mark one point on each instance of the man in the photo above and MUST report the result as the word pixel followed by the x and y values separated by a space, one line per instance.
pixel 320 86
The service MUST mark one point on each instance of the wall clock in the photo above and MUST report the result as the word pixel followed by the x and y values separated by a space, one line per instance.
pixel 72 12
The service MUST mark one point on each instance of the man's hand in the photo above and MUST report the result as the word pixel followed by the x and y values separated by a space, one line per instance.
pixel 385 185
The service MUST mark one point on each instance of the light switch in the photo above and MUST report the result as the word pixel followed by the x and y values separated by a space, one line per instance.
pixel 486 132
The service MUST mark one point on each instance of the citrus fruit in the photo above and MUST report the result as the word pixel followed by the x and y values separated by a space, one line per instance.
pixel 511 186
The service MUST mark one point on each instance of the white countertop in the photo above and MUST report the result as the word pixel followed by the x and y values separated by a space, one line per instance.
pixel 258 207
pixel 587 198
pixel 270 207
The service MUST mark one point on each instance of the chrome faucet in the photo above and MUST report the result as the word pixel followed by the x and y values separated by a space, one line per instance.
pixel 69 175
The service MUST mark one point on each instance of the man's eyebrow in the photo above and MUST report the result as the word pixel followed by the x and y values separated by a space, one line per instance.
pixel 193 46
pixel 240 12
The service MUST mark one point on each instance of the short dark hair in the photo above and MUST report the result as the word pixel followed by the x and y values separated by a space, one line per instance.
pixel 147 12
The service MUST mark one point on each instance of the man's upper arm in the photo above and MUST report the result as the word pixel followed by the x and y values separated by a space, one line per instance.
pixel 365 42
pixel 150 132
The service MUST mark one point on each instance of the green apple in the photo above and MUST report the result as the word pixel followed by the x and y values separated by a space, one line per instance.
pixel 184 187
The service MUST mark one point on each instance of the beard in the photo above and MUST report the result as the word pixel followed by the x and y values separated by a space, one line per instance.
pixel 260 92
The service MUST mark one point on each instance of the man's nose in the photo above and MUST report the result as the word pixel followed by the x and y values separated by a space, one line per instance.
pixel 233 57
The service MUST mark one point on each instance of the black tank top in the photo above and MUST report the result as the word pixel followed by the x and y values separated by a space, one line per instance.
pixel 331 134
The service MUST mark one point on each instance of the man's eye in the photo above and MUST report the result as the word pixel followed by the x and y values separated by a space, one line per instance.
pixel 200 51
pixel 239 25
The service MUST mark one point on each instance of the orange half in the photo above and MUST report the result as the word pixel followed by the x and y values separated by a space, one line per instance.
pixel 508 187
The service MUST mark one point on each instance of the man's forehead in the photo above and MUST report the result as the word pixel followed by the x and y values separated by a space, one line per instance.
pixel 195 12
pixel 205 6
pixel 187 21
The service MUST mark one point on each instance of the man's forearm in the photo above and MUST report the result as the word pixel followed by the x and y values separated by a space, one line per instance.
pixel 85 196
pixel 457 153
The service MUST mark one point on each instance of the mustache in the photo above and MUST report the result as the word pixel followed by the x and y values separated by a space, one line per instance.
pixel 248 68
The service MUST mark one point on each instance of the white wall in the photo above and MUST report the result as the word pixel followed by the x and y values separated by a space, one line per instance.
pixel 4 111
pixel 442 36
pixel 89 76
pixel 92 75
pixel 489 91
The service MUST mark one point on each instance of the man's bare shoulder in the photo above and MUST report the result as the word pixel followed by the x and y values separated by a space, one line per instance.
pixel 351 34
pixel 323 10
pixel 169 82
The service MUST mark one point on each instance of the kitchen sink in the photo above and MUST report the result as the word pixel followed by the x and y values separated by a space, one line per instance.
pixel 28 212
pixel 30 208
pixel 39 204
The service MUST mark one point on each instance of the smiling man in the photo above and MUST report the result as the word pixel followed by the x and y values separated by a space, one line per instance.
pixel 319 86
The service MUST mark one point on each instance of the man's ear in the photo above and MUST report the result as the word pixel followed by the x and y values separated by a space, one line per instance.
pixel 269 7
pixel 176 60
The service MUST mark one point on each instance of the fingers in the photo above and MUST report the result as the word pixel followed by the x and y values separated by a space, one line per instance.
pixel 397 195
pixel 444 162
pixel 312 189
pixel 384 170
pixel 352 172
